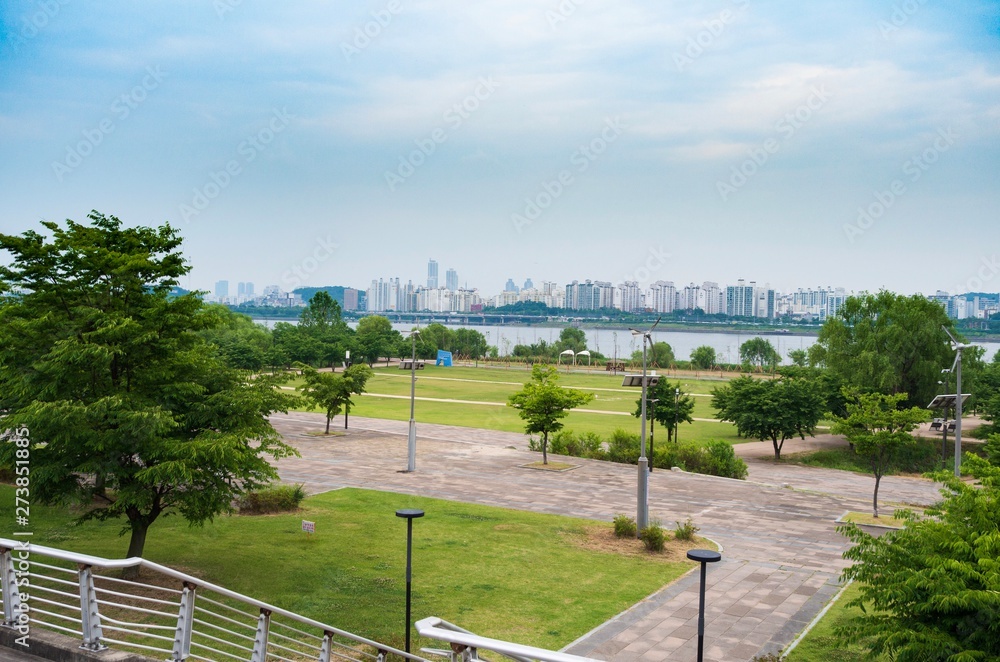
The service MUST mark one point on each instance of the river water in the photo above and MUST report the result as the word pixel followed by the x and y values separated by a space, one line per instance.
pixel 620 343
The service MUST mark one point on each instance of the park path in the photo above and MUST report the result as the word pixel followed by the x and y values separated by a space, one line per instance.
pixel 781 554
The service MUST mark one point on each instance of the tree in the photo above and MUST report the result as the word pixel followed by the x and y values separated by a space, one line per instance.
pixel 470 344
pixel 659 354
pixel 799 357
pixel 242 343
pixel 931 591
pixel 703 358
pixel 331 392
pixel 376 338
pixel 131 411
pixel 666 411
pixel 759 352
pixel 887 343
pixel 571 338
pixel 322 323
pixel 878 429
pixel 775 409
pixel 542 403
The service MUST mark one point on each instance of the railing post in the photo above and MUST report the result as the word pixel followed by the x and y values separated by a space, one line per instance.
pixel 185 622
pixel 11 596
pixel 90 614
pixel 260 638
pixel 326 648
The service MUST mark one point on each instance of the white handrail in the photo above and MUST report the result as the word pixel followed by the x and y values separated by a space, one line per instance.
pixel 436 628
pixel 84 560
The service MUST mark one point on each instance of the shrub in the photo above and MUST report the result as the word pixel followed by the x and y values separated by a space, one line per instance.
pixel 653 536
pixel 274 499
pixel 592 446
pixel 624 526
pixel 686 530
pixel 623 447
pixel 721 460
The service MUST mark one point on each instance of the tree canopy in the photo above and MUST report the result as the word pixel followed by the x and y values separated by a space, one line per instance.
pixel 376 338
pixel 771 409
pixel 658 355
pixel 760 353
pixel 931 591
pixel 667 411
pixel 130 409
pixel 703 357
pixel 542 404
pixel 887 343
pixel 333 392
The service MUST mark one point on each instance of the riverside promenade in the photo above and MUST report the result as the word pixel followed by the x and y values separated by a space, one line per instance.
pixel 781 552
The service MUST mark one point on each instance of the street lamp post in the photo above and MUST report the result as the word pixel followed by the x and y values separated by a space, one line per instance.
pixel 957 368
pixel 411 445
pixel 642 490
pixel 944 424
pixel 652 429
pixel 677 427
pixel 409 514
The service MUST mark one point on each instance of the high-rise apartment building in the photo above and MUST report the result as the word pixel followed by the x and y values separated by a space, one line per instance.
pixel 222 290
pixel 630 298
pixel 740 299
pixel 432 274
pixel 510 286
pixel 451 280
pixel 663 296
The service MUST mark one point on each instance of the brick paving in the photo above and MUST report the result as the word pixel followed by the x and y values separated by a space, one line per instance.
pixel 781 553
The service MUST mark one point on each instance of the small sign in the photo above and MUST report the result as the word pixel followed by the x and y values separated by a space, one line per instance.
pixel 308 527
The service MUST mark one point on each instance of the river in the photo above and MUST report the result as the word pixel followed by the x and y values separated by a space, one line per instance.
pixel 621 343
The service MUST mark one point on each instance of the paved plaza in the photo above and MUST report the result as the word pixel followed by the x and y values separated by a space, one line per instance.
pixel 781 553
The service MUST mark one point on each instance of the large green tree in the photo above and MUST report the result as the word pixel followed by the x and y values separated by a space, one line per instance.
pixel 759 353
pixel 658 355
pixel 130 410
pixel 771 409
pixel 931 591
pixel 887 343
pixel 376 338
pixel 703 357
pixel 878 429
pixel 542 404
pixel 324 329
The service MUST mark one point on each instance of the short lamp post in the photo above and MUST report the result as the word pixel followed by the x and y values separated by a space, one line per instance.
pixel 704 557
pixel 652 429
pixel 409 514
pixel 677 422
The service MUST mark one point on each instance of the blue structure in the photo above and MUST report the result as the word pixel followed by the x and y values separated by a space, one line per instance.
pixel 444 358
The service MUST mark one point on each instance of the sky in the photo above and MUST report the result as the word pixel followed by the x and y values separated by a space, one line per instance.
pixel 801 144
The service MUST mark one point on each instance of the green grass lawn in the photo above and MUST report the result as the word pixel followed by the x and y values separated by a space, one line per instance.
pixel 822 645
pixel 495 386
pixel 923 456
pixel 531 578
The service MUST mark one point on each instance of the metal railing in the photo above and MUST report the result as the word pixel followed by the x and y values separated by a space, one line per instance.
pixel 171 613
pixel 465 645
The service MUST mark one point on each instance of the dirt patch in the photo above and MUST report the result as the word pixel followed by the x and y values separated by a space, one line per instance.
pixel 603 539
pixel 551 466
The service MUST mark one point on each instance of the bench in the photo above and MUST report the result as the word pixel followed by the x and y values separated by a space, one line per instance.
pixel 612 366
pixel 407 364
pixel 936 423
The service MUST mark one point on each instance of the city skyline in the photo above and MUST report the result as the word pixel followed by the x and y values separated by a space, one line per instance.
pixel 822 143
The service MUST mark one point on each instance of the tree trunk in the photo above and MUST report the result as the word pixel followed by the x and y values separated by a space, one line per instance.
pixel 346 414
pixel 777 448
pixel 545 443
pixel 136 544
pixel 878 478
pixel 327 424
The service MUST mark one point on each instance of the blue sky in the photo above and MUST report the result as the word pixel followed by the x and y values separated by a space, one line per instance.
pixel 844 143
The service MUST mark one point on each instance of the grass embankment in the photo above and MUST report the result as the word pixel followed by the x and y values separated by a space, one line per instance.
pixel 922 457
pixel 536 579
pixel 480 397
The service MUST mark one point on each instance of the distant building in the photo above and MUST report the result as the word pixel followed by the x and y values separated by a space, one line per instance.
pixel 740 299
pixel 432 274
pixel 663 296
pixel 350 298
pixel 222 290
pixel 511 286
pixel 528 285
pixel 451 280
pixel 590 295
pixel 629 297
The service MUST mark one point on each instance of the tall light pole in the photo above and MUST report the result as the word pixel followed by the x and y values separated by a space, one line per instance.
pixel 411 446
pixel 652 429
pixel 957 368
pixel 677 426
pixel 642 490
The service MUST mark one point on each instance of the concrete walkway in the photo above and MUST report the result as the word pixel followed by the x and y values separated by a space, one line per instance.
pixel 782 555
